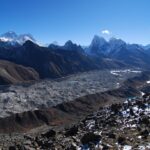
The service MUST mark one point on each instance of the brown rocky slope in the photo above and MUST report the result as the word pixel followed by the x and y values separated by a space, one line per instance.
pixel 11 73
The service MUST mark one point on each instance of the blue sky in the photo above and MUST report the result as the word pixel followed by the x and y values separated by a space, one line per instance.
pixel 78 20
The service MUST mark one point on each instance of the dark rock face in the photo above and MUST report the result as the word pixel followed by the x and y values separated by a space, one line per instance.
pixel 111 135
pixel 98 46
pixel 121 140
pixel 145 133
pixel 50 133
pixel 72 131
pixel 145 120
pixel 115 108
pixel 90 137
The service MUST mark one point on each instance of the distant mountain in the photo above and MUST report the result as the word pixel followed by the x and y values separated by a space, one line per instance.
pixel 53 63
pixel 47 62
pixel 69 46
pixel 12 39
pixel 56 61
pixel 98 46
pixel 131 54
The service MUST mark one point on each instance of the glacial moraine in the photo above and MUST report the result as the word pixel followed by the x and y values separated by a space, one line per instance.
pixel 47 93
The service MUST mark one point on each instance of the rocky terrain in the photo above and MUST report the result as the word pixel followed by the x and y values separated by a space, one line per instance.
pixel 73 125
pixel 11 73
pixel 124 126
pixel 73 97
pixel 48 93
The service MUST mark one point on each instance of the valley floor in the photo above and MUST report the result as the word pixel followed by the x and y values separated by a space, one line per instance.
pixel 47 93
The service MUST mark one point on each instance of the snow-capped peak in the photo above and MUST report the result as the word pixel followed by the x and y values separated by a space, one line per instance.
pixel 13 38
pixel 9 35
pixel 3 39
pixel 25 37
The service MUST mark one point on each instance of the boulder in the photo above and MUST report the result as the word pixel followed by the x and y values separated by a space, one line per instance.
pixel 90 137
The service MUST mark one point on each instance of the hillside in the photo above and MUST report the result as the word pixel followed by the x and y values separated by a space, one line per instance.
pixel 11 73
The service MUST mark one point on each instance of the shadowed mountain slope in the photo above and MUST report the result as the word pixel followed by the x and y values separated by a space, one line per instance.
pixel 53 63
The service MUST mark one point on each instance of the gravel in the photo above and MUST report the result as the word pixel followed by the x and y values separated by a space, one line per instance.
pixel 48 93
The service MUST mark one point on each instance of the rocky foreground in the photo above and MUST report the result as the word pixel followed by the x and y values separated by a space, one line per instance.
pixel 123 126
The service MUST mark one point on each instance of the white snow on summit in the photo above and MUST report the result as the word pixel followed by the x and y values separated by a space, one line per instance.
pixel 13 38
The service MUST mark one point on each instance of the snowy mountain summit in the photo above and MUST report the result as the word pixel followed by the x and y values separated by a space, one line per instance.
pixel 11 38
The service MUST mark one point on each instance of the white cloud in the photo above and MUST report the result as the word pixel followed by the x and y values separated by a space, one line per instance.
pixel 106 32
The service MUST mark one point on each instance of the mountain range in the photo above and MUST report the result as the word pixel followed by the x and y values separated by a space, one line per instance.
pixel 132 54
pixel 56 61
pixel 13 39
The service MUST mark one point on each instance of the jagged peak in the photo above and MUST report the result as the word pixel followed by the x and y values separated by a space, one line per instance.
pixel 99 39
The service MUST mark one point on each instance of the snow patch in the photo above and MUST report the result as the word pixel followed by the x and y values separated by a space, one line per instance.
pixel 127 147
pixel 148 82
